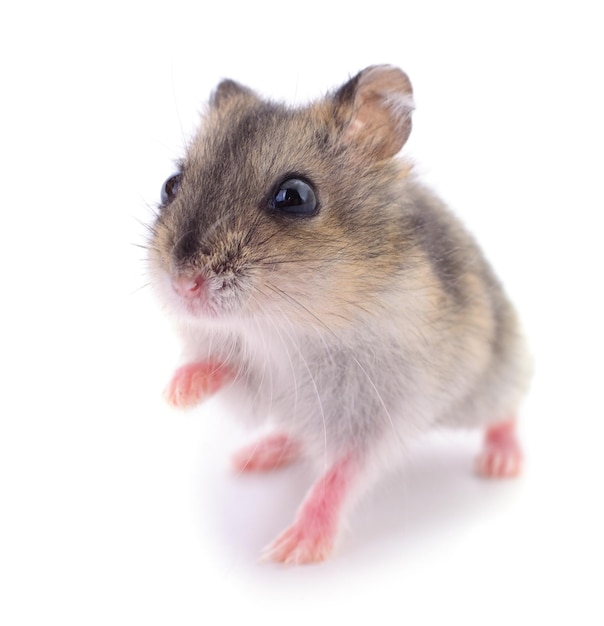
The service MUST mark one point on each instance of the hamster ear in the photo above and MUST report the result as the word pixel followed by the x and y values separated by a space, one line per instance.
pixel 228 90
pixel 375 109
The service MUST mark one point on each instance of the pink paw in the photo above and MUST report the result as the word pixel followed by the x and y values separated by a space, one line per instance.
pixel 193 382
pixel 269 453
pixel 312 536
pixel 299 545
pixel 501 456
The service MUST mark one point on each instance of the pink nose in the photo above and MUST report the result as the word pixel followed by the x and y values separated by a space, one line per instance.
pixel 188 286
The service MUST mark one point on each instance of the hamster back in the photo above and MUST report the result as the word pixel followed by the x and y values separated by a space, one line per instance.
pixel 317 284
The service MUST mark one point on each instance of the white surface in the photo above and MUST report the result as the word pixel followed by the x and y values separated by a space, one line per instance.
pixel 116 510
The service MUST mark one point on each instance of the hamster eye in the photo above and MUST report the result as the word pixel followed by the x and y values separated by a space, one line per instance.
pixel 295 197
pixel 170 187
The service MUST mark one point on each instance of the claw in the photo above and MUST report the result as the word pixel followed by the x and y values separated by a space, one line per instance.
pixel 299 545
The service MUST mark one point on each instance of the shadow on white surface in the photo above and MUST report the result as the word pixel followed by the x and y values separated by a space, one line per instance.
pixel 434 493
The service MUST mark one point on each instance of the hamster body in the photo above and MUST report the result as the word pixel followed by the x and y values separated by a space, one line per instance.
pixel 315 280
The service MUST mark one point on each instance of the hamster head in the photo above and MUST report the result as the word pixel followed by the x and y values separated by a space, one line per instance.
pixel 286 212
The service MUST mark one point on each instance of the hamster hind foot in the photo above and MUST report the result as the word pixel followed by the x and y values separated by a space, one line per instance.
pixel 194 382
pixel 271 452
pixel 501 455
pixel 312 536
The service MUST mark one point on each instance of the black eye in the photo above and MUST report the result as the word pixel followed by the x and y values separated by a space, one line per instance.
pixel 170 187
pixel 295 197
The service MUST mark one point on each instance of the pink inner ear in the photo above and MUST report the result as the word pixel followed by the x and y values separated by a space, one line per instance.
pixel 383 103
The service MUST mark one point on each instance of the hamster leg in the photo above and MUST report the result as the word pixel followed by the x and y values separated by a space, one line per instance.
pixel 312 536
pixel 193 382
pixel 271 452
pixel 501 455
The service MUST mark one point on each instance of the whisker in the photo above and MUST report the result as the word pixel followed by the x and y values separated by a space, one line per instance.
pixel 285 346
pixel 182 236
pixel 140 288
pixel 265 366
pixel 251 231
pixel 144 246
pixel 298 304
pixel 297 347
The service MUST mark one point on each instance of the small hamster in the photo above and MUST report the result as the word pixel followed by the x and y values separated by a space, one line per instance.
pixel 316 282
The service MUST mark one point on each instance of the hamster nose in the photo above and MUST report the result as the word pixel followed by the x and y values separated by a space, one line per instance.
pixel 188 286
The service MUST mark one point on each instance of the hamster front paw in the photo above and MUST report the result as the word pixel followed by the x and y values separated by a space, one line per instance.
pixel 501 456
pixel 194 382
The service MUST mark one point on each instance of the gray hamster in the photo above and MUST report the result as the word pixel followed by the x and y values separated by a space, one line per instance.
pixel 317 283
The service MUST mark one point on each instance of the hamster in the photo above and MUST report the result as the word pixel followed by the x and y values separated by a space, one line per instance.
pixel 320 286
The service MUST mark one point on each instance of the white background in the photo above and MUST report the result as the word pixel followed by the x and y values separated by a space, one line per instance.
pixel 117 510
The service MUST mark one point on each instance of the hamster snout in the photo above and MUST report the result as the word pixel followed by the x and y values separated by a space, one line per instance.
pixel 207 295
pixel 189 287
